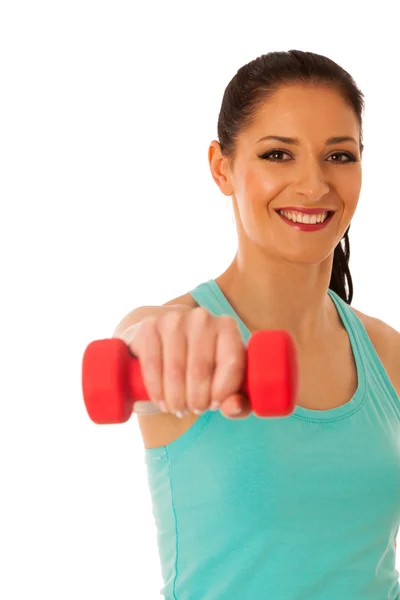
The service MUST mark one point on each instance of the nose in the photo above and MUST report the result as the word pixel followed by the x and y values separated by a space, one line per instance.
pixel 311 181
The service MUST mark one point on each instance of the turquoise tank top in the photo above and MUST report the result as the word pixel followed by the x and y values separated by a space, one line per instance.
pixel 304 507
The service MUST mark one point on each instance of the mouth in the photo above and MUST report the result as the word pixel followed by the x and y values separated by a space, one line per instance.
pixel 302 226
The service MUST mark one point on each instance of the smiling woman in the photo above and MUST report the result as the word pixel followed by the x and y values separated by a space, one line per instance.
pixel 306 506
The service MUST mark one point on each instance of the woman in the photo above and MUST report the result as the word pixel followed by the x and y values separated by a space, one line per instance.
pixel 306 506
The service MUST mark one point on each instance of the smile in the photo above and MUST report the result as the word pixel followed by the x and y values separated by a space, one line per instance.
pixel 306 222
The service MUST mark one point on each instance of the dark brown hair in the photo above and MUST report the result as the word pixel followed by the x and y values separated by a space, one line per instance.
pixel 257 81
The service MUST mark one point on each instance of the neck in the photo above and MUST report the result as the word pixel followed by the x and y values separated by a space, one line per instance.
pixel 285 296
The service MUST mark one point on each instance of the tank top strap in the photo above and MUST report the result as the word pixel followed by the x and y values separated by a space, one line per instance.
pixel 354 326
pixel 375 371
pixel 209 296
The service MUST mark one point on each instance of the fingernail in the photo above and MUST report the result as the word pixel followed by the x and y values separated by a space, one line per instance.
pixel 163 406
pixel 197 412
pixel 236 411
pixel 181 414
pixel 214 405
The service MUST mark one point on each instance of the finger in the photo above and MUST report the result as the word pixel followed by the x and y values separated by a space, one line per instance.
pixel 174 345
pixel 202 334
pixel 146 345
pixel 237 406
pixel 230 361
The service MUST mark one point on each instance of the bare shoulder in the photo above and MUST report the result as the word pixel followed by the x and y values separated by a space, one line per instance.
pixel 384 334
pixel 386 341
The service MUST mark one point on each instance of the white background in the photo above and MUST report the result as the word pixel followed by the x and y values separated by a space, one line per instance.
pixel 107 110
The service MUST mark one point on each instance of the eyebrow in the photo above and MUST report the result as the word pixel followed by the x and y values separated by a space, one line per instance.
pixel 296 142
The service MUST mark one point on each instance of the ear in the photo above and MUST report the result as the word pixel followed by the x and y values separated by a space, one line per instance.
pixel 219 167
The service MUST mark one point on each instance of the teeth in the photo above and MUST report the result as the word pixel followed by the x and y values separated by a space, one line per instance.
pixel 297 217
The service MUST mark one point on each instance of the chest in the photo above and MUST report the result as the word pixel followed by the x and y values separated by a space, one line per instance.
pixel 327 375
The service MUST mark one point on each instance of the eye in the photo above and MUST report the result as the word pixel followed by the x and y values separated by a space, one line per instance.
pixel 271 152
pixel 350 157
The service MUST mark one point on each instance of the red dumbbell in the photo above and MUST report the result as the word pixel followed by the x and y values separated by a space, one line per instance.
pixel 112 380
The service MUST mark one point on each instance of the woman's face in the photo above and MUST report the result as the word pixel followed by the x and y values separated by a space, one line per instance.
pixel 268 175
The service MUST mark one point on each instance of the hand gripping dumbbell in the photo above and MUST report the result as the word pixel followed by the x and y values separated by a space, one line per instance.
pixel 112 379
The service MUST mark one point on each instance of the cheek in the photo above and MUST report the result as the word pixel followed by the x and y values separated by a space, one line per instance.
pixel 261 187
pixel 349 192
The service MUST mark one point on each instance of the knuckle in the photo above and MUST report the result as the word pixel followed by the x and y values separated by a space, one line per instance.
pixel 175 368
pixel 151 365
pixel 200 315
pixel 144 330
pixel 200 370
pixel 148 322
pixel 234 359
pixel 172 321
pixel 228 322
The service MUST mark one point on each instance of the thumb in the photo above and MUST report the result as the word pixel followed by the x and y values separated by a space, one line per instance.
pixel 233 403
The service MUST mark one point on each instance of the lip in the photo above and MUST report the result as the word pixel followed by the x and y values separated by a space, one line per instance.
pixel 308 227
pixel 306 211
